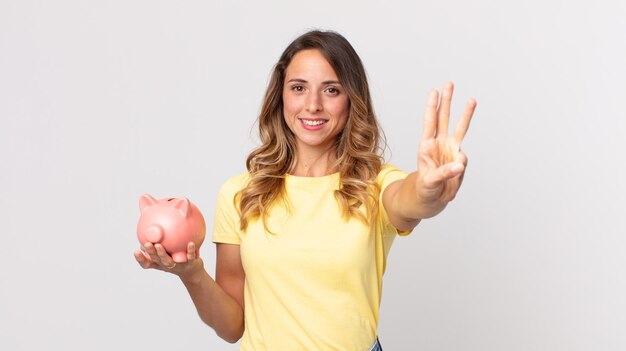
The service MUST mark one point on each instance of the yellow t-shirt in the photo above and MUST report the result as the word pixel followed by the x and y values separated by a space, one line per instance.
pixel 316 283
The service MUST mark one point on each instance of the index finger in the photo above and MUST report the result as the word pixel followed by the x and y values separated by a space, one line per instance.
pixel 191 251
pixel 430 116
pixel 463 125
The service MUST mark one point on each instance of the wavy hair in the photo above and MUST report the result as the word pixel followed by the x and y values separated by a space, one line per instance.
pixel 359 155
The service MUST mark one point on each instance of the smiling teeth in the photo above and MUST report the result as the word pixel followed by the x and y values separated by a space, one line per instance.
pixel 313 123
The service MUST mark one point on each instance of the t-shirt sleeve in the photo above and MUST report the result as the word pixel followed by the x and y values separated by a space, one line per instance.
pixel 226 221
pixel 389 174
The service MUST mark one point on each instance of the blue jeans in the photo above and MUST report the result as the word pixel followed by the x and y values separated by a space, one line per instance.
pixel 376 346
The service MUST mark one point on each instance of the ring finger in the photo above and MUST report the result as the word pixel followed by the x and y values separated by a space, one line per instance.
pixel 164 258
pixel 150 249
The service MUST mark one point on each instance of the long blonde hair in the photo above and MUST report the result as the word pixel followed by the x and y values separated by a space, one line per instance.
pixel 358 147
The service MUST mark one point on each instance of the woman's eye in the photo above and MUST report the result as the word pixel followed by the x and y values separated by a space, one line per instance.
pixel 297 88
pixel 333 91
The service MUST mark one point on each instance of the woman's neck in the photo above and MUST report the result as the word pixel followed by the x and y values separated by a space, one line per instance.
pixel 314 163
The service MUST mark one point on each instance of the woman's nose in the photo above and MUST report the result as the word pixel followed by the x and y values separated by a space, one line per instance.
pixel 313 102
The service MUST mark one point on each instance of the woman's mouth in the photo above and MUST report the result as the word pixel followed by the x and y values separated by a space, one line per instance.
pixel 312 123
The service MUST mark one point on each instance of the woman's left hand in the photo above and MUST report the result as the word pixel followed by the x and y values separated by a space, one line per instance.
pixel 441 163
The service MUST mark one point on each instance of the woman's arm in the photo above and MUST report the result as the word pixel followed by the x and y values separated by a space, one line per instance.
pixel 441 166
pixel 218 302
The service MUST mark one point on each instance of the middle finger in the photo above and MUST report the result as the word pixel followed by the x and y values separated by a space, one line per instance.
pixel 443 114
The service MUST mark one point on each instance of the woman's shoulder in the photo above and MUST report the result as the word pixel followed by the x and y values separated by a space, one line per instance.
pixel 235 183
pixel 389 173
pixel 388 168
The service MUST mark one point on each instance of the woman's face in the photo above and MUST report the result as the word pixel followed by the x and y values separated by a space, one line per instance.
pixel 315 105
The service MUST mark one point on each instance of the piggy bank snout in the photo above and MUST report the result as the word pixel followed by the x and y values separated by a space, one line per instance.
pixel 154 233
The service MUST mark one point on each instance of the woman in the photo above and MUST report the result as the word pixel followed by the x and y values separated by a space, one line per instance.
pixel 302 237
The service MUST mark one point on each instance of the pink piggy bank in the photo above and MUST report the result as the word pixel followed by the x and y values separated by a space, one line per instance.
pixel 172 222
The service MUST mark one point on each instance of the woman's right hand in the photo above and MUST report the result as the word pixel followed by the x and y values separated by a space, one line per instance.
pixel 154 256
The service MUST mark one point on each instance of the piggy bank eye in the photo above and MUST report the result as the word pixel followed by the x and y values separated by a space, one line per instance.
pixel 171 199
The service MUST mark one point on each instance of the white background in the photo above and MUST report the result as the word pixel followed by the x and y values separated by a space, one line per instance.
pixel 101 101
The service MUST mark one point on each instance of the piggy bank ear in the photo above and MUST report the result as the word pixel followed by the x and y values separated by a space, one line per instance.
pixel 146 201
pixel 182 205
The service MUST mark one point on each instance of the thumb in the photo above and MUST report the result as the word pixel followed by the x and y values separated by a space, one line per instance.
pixel 443 173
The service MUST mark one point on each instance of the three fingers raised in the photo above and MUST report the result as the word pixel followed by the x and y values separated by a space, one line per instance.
pixel 437 115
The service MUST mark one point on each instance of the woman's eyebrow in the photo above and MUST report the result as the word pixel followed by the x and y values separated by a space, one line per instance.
pixel 297 80
pixel 300 80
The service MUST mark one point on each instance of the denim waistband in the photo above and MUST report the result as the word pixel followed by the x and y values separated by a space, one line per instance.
pixel 376 346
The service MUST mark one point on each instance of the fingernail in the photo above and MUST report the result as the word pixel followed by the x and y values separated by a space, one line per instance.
pixel 457 168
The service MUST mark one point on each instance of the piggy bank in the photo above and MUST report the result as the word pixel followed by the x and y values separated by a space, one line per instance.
pixel 171 222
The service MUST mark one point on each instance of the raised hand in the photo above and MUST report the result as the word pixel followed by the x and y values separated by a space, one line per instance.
pixel 440 161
